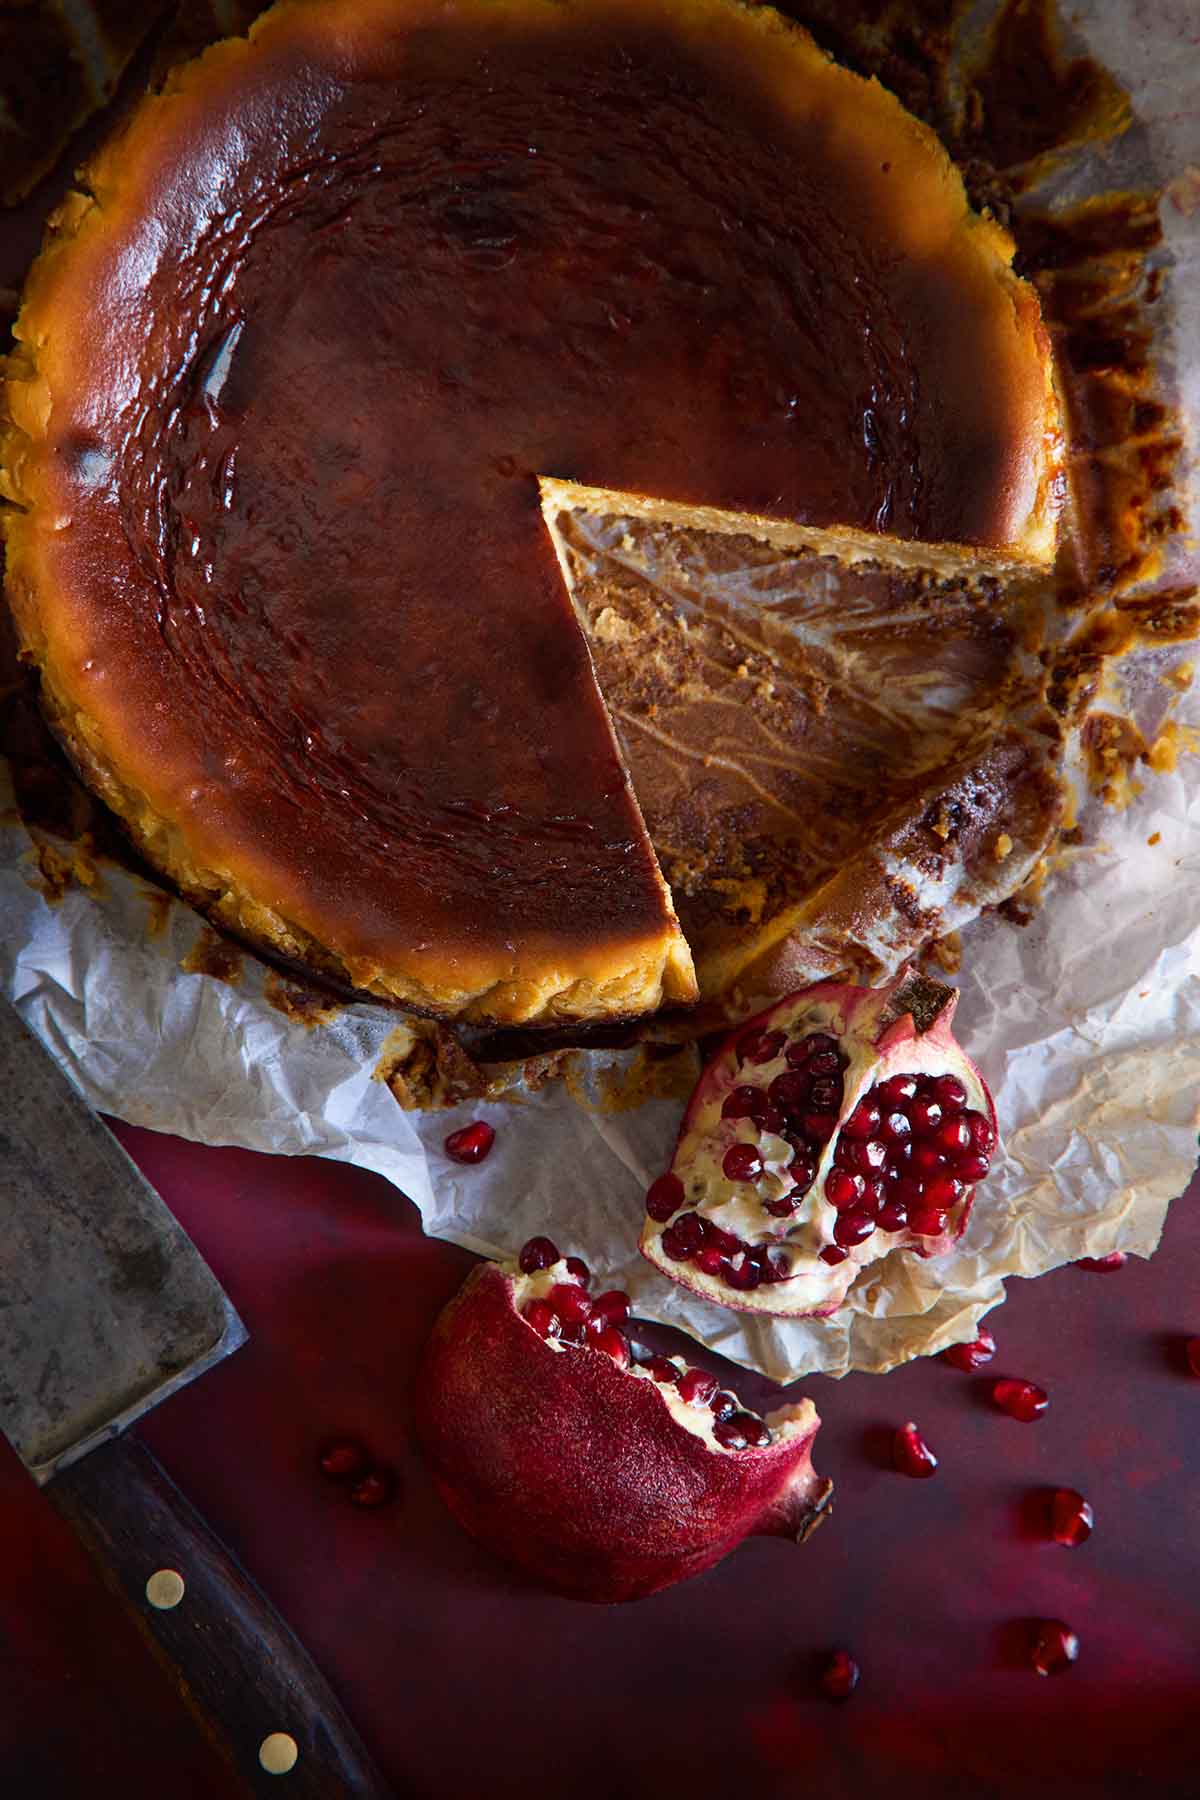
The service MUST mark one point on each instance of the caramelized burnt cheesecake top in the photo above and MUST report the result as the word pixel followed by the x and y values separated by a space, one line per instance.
pixel 290 368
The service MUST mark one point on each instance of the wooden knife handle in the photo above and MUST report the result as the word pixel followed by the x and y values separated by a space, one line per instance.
pixel 241 1672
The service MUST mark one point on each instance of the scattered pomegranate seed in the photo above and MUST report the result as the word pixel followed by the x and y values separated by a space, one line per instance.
pixel 742 1162
pixel 833 1254
pixel 1020 1400
pixel 471 1143
pixel 375 1489
pixel 840 1676
pixel 709 1261
pixel 1103 1265
pixel 343 1460
pixel 1071 1518
pixel 1192 1352
pixel 756 1431
pixel 697 1387
pixel 579 1269
pixel 662 1368
pixel 542 1316
pixel 611 1307
pixel 615 1344
pixel 664 1197
pixel 911 1455
pixel 570 1303
pixel 538 1253
pixel 743 1275
pixel 723 1405
pixel 1055 1647
pixel 974 1355
pixel 741 1103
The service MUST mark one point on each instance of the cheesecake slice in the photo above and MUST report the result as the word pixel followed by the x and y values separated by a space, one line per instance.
pixel 293 361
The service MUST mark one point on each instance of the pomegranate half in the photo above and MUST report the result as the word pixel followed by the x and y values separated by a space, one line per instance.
pixel 604 1473
pixel 838 1125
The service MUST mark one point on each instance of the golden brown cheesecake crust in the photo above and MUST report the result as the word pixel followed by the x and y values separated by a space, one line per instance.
pixel 291 367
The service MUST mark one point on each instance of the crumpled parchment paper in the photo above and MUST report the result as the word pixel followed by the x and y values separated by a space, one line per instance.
pixel 1086 1023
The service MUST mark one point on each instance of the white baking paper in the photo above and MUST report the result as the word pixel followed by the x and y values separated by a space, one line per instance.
pixel 1086 1023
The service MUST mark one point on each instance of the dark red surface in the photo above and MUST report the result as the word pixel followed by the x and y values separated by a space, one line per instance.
pixel 464 1680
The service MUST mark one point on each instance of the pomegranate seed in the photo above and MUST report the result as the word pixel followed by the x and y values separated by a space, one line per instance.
pixel 542 1316
pixel 790 1091
pixel 756 1431
pixel 972 1167
pixel 893 1216
pixel 375 1489
pixel 969 1357
pixel 926 1221
pixel 1021 1400
pixel 943 1191
pixel 710 1260
pixel 576 1334
pixel 471 1143
pixel 843 1190
pixel 742 1162
pixel 866 1156
pixel 570 1303
pixel 729 1433
pixel 819 1127
pixel 538 1253
pixel 911 1455
pixel 1103 1265
pixel 690 1230
pixel 826 1095
pixel 853 1227
pixel 1071 1518
pixel 908 1191
pixel 723 1404
pixel 839 1678
pixel 662 1369
pixel 770 1121
pixel 863 1121
pixel 775 1265
pixel 803 1173
pixel 927 1159
pixel 615 1344
pixel 953 1136
pixel 697 1388
pixel 833 1254
pixel 674 1246
pixel 743 1277
pixel 983 1132
pixel 611 1307
pixel 925 1115
pixel 721 1240
pixel 342 1461
pixel 894 1128
pixel 1055 1647
pixel 664 1197
pixel 948 1091
pixel 1192 1352
pixel 761 1046
pixel 875 1193
pixel 819 1043
pixel 740 1103
pixel 577 1268
pixel 897 1090
pixel 782 1208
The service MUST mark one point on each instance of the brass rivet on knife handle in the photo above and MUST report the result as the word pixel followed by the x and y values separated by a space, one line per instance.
pixel 241 1672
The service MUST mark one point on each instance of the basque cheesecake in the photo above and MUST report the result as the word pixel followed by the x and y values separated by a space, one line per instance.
pixel 292 365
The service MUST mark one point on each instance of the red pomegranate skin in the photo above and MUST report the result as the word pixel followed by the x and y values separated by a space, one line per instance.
pixel 576 1472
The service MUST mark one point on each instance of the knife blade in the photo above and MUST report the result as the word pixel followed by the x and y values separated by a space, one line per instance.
pixel 106 1310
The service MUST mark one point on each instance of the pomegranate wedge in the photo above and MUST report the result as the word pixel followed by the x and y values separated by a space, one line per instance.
pixel 842 1123
pixel 603 1473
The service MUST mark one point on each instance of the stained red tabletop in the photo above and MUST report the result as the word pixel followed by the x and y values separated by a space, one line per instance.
pixel 462 1678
